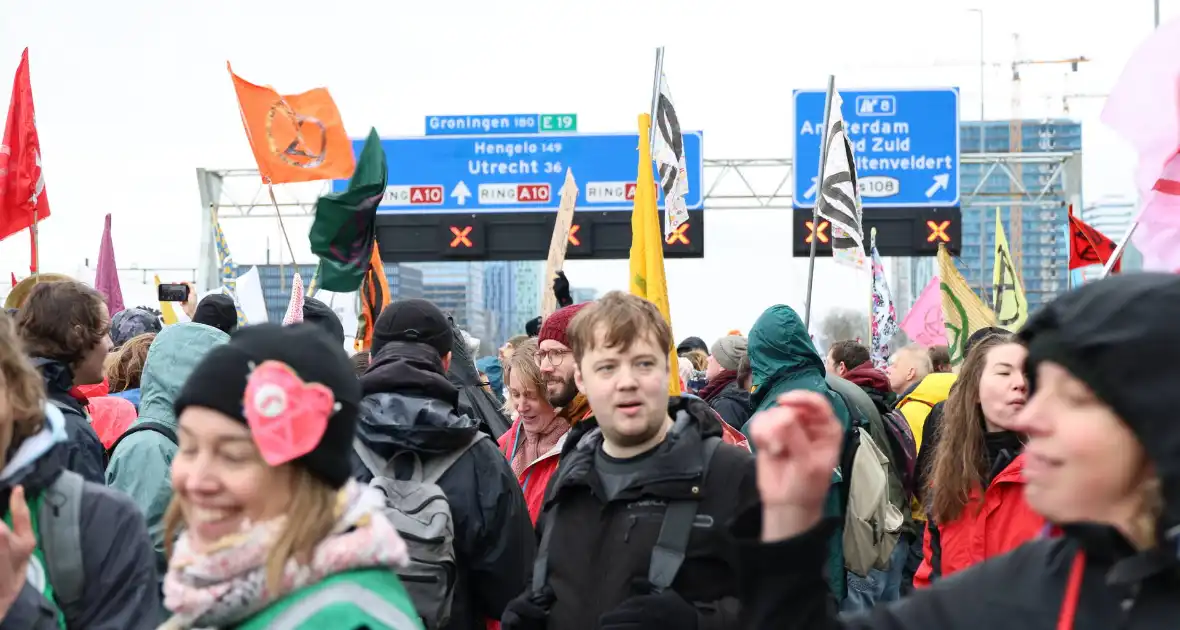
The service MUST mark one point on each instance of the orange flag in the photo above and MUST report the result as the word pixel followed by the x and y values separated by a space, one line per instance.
pixel 295 137
pixel 374 297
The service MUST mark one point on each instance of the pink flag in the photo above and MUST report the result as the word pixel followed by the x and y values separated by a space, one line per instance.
pixel 106 277
pixel 1144 108
pixel 924 321
pixel 295 306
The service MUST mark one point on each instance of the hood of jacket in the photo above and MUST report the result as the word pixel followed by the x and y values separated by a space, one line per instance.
pixel 59 377
pixel 491 367
pixel 409 405
pixel 174 354
pixel 869 377
pixel 931 390
pixel 782 357
pixel 677 458
pixel 1101 333
pixel 38 460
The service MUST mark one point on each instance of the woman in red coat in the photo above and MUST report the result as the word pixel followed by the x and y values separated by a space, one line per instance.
pixel 533 443
pixel 977 507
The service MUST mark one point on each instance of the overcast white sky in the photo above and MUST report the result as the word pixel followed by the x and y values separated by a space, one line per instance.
pixel 132 96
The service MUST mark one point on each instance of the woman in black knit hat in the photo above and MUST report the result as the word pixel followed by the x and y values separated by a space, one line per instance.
pixel 271 528
pixel 1102 464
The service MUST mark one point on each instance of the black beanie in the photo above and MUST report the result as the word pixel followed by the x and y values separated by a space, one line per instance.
pixel 320 314
pixel 217 310
pixel 413 320
pixel 220 379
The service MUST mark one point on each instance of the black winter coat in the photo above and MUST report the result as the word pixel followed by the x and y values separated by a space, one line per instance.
pixel 599 551
pixel 732 403
pixel 120 589
pixel 84 452
pixel 409 405
pixel 1089 574
pixel 782 588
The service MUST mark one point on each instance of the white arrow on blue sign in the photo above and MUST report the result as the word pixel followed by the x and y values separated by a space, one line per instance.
pixel 519 173
pixel 906 144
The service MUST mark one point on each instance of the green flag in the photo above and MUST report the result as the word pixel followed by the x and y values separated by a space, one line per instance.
pixel 345 223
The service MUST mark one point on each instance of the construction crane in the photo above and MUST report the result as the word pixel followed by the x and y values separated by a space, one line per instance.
pixel 1016 144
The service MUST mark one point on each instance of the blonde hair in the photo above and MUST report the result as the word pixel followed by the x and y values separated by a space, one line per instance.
pixel 699 360
pixel 317 505
pixel 530 373
pixel 124 366
pixel 24 386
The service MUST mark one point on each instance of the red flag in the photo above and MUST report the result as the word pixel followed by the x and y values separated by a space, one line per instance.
pixel 1089 246
pixel 13 279
pixel 22 184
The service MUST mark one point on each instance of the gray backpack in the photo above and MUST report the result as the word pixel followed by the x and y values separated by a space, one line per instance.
pixel 419 510
pixel 59 535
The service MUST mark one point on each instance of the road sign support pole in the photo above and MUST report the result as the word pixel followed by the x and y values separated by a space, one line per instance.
pixel 819 197
pixel 655 97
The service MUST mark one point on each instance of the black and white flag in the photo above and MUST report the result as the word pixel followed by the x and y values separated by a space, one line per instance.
pixel 668 153
pixel 839 197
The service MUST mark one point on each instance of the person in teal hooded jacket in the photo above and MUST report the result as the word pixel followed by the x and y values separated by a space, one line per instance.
pixel 784 359
pixel 141 460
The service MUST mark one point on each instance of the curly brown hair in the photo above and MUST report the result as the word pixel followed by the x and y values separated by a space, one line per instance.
pixel 63 321
pixel 125 366
pixel 22 390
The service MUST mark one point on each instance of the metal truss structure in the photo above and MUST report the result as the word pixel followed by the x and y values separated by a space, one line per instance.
pixel 730 184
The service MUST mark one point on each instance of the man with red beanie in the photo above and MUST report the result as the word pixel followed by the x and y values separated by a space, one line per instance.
pixel 554 358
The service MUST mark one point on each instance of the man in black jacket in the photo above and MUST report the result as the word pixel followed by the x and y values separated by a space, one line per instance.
pixel 410 406
pixel 633 523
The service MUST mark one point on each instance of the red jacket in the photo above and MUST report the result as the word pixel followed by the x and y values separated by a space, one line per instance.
pixel 536 475
pixel 1003 522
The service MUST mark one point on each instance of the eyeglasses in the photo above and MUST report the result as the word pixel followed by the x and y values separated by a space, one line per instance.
pixel 555 357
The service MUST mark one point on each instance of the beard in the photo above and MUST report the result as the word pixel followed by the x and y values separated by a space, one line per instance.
pixel 563 396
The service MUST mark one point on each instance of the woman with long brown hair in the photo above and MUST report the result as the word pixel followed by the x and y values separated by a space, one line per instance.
pixel 976 506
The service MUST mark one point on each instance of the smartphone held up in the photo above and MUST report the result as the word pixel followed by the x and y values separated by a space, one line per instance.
pixel 174 292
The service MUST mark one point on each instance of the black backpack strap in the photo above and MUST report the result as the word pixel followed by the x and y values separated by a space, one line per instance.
pixel 672 545
pixel 158 427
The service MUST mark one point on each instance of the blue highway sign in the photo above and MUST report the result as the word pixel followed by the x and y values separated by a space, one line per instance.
pixel 520 173
pixel 906 144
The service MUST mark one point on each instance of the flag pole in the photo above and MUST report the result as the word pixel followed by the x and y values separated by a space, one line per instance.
pixel 1118 251
pixel 36 253
pixel 819 196
pixel 655 97
pixel 282 228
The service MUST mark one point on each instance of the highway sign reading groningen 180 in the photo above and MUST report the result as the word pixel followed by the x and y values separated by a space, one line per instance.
pixel 906 144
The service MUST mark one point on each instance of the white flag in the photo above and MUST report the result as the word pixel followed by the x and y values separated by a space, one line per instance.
pixel 668 153
pixel 839 197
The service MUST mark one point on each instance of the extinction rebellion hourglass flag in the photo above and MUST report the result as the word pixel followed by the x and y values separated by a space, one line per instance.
pixel 839 198
pixel 668 152
pixel 1088 246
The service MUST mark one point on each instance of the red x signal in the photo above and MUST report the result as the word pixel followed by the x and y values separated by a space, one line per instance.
pixel 573 239
pixel 938 231
pixel 461 236
pixel 678 235
pixel 814 232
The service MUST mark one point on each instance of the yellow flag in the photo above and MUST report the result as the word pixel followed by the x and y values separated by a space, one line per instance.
pixel 1007 292
pixel 166 312
pixel 963 312
pixel 647 245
